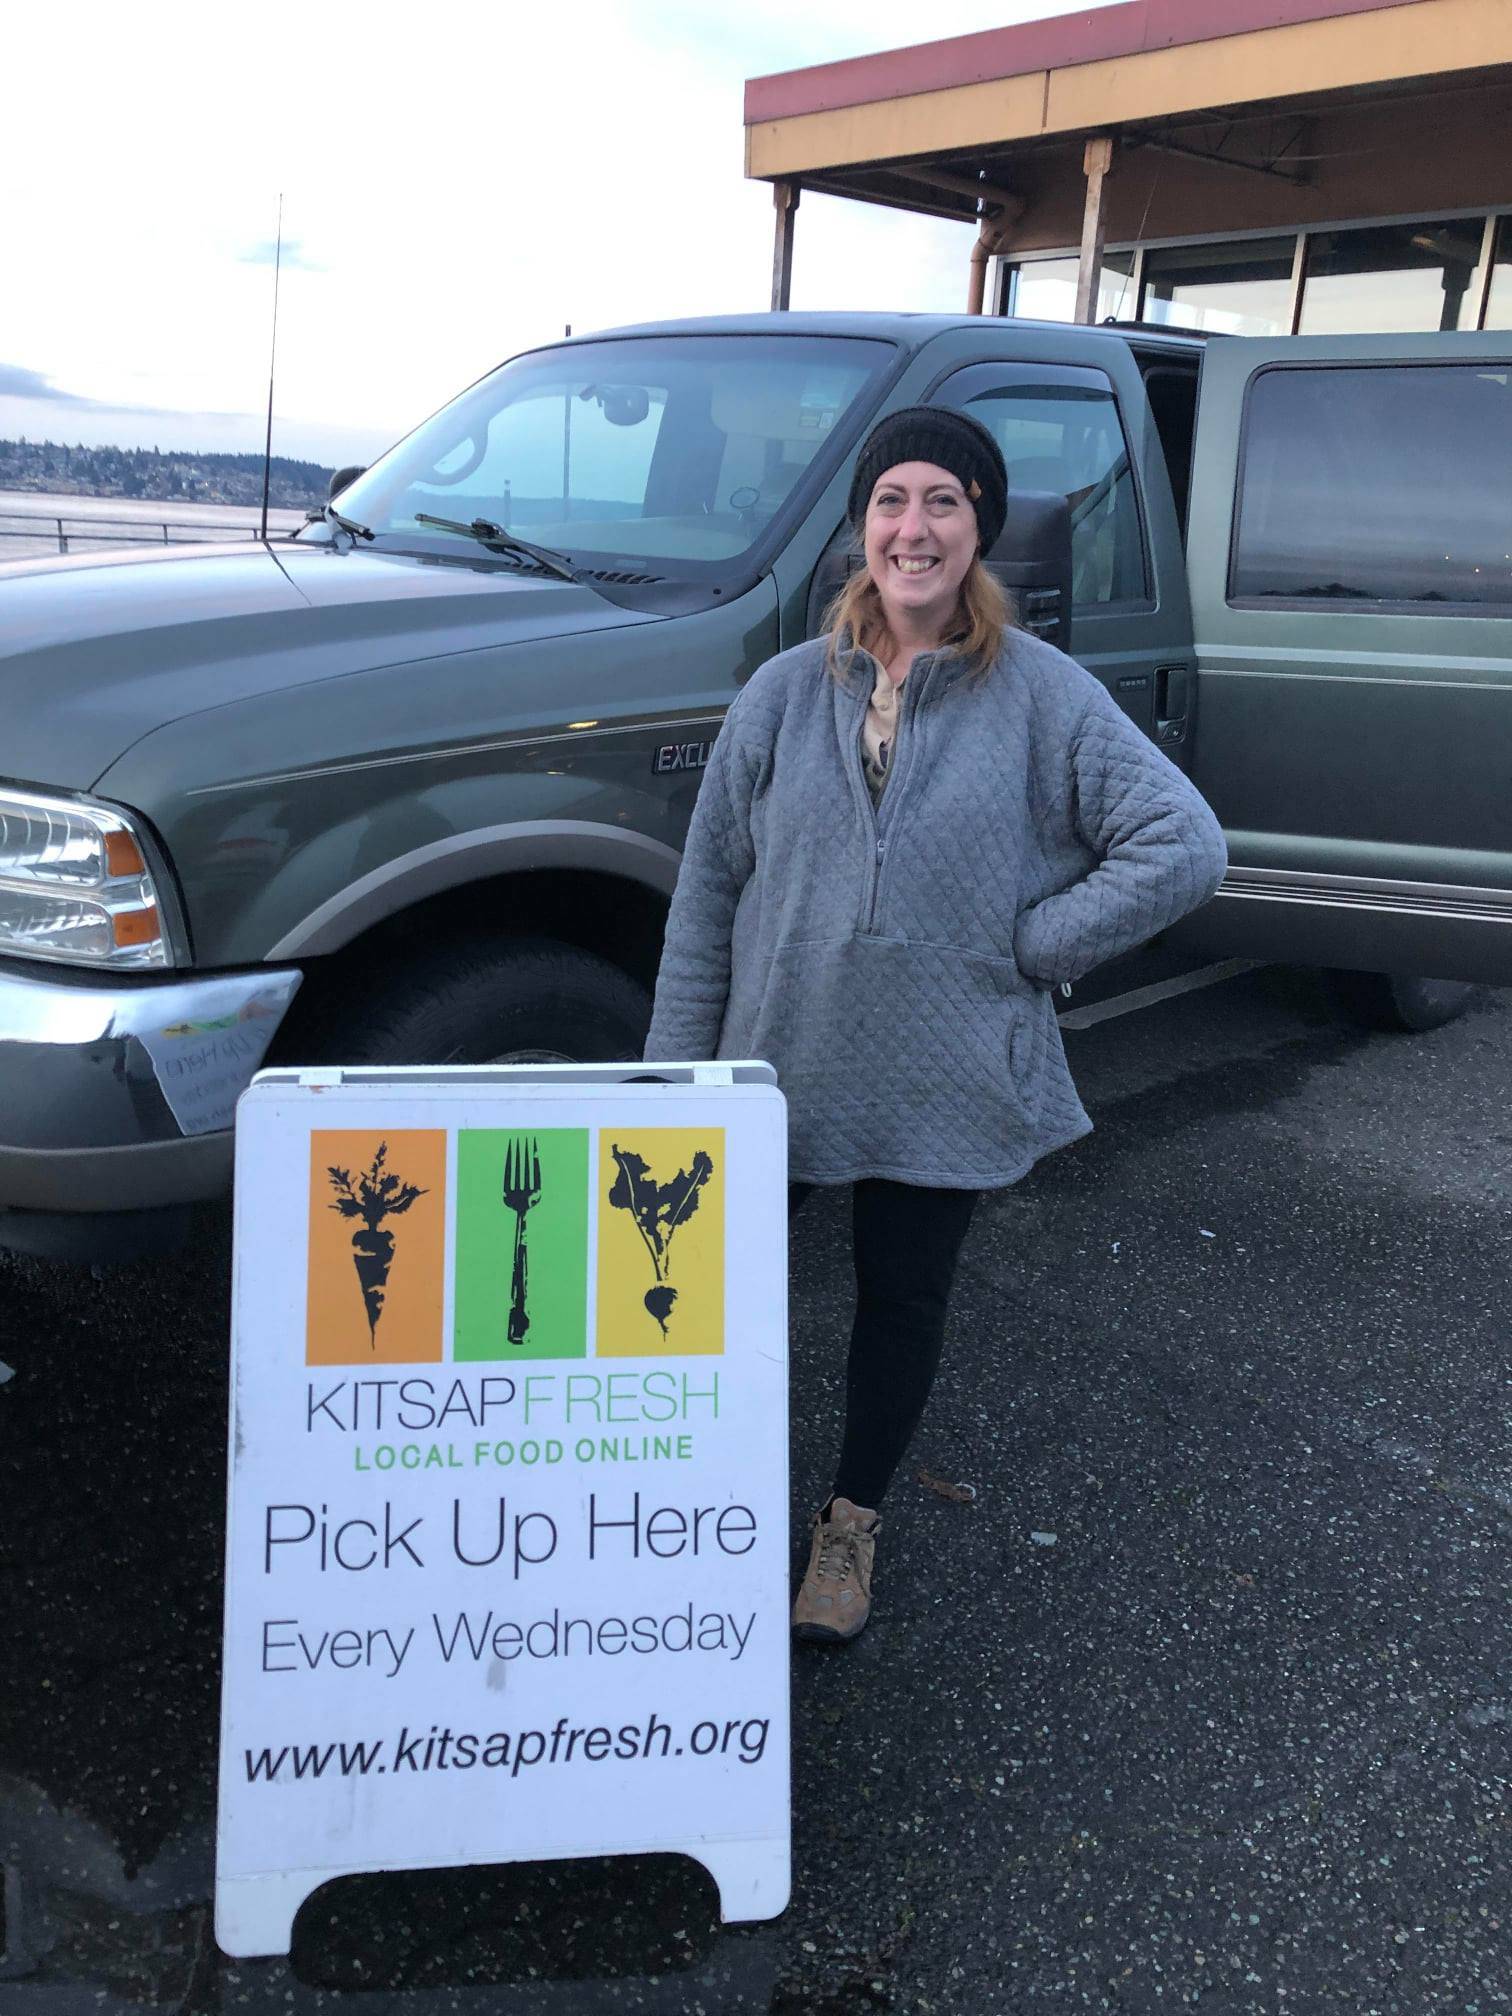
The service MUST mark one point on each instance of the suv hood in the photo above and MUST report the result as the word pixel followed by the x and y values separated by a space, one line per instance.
pixel 97 651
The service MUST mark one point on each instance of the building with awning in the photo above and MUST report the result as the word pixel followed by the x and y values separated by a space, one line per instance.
pixel 1257 167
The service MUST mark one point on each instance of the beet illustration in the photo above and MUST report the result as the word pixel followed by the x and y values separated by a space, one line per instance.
pixel 658 1209
pixel 659 1302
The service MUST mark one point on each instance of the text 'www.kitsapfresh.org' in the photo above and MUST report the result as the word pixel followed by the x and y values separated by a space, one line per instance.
pixel 743 1739
pixel 542 1216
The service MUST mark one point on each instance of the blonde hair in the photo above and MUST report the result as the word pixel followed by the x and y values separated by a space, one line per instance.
pixel 855 620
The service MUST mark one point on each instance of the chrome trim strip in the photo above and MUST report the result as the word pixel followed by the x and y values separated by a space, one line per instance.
pixel 1382 894
pixel 1283 669
pixel 645 726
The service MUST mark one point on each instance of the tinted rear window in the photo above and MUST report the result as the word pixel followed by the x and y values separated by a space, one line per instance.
pixel 1389 484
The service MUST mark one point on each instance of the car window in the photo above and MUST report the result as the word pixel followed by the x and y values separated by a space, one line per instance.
pixel 671 451
pixel 1387 483
pixel 579 445
pixel 1172 393
pixel 1059 430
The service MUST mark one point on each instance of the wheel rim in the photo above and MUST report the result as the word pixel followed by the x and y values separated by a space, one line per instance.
pixel 534 1057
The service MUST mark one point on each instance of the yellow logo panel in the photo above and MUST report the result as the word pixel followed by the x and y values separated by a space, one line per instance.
pixel 661 1242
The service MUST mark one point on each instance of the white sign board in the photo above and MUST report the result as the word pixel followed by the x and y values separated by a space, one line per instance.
pixel 507 1535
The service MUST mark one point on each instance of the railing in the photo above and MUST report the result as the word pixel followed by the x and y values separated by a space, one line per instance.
pixel 39 525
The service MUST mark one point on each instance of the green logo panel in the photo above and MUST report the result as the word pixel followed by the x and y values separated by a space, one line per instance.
pixel 521 1280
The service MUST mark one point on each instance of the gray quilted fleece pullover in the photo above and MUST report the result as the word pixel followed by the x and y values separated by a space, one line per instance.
pixel 894 964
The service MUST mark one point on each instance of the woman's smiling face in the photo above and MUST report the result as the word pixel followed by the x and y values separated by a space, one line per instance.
pixel 921 538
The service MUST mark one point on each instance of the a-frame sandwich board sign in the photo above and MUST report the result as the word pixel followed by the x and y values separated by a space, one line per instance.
pixel 507 1533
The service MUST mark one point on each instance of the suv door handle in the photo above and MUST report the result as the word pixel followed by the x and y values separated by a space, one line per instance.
pixel 1172 685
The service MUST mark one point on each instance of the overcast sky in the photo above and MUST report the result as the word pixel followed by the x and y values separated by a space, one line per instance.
pixel 460 181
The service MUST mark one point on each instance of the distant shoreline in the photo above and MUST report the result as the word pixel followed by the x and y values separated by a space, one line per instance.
pixel 175 479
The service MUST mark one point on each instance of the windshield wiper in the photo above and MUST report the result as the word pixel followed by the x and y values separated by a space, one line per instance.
pixel 487 533
pixel 335 517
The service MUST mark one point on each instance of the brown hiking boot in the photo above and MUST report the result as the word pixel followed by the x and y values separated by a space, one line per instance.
pixel 834 1602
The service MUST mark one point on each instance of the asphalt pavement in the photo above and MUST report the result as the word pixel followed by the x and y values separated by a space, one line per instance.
pixel 1197 1697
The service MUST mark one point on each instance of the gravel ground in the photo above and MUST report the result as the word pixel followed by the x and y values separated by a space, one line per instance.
pixel 1202 1701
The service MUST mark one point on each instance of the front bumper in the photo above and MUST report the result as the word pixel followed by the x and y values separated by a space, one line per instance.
pixel 118 1095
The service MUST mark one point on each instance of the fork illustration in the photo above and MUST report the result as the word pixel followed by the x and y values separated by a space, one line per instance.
pixel 522 1190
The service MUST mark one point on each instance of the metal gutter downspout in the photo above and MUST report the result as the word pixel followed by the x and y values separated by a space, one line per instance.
pixel 981 252
pixel 991 239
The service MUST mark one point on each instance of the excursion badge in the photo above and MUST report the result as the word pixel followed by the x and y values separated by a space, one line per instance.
pixel 680 756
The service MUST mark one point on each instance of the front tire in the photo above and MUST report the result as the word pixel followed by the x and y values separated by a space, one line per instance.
pixel 1401 1002
pixel 523 1001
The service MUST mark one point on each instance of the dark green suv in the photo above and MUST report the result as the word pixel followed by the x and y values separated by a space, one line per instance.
pixel 411 786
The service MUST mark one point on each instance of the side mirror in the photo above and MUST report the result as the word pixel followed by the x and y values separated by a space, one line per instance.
pixel 345 477
pixel 1032 559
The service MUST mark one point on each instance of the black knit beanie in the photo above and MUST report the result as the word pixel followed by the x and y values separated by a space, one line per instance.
pixel 951 441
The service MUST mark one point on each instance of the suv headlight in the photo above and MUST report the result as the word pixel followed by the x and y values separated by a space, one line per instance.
pixel 75 885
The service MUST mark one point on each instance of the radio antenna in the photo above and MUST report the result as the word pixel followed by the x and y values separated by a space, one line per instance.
pixel 272 360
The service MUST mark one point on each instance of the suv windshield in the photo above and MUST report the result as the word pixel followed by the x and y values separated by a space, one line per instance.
pixel 666 455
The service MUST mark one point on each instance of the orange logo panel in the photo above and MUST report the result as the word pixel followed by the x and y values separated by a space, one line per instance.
pixel 377 1247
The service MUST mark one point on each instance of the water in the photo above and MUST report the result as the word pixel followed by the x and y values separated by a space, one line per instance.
pixel 93 524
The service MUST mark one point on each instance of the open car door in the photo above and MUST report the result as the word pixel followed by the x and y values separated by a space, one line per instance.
pixel 1350 563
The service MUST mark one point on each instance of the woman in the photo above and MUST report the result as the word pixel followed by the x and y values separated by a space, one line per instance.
pixel 910 831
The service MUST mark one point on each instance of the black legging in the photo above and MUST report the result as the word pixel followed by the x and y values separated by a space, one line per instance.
pixel 906 1242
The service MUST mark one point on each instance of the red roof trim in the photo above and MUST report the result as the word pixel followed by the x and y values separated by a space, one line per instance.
pixel 1130 29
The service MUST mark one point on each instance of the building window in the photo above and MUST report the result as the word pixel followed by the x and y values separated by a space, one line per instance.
pixel 1240 289
pixel 1499 301
pixel 1044 290
pixel 1388 484
pixel 1391 277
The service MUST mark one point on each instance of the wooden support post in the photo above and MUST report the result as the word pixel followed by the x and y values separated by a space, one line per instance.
pixel 1096 161
pixel 785 201
pixel 1484 272
pixel 1298 280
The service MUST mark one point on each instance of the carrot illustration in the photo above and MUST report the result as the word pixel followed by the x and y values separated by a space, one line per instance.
pixel 378 1194
pixel 658 1209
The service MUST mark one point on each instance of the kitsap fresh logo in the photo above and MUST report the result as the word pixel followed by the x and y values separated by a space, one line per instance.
pixel 377 1232
pixel 528 1203
pixel 521 1287
pixel 661 1242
